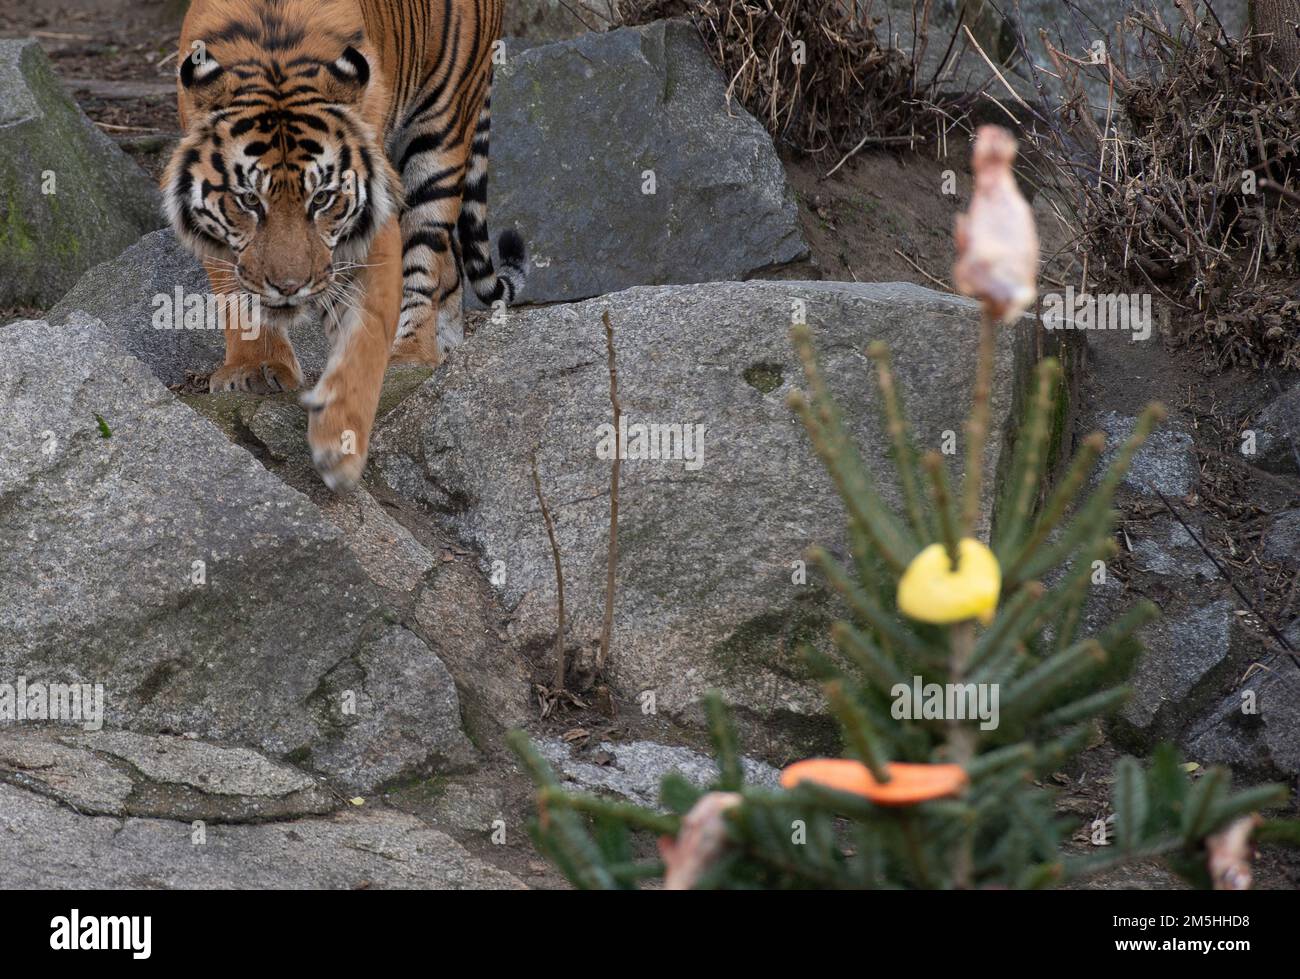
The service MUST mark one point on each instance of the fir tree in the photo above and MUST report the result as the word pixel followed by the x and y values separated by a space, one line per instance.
pixel 939 802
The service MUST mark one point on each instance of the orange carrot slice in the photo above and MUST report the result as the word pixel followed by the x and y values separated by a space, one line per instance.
pixel 908 785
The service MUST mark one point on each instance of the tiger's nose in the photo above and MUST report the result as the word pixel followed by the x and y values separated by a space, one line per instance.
pixel 286 287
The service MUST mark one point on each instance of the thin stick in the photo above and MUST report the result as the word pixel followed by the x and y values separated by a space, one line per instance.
pixel 126 129
pixel 947 55
pixel 939 282
pixel 874 141
pixel 559 575
pixel 993 68
pixel 607 629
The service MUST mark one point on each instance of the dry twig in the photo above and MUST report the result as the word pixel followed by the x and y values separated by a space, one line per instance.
pixel 559 578
pixel 1187 187
pixel 607 628
pixel 814 72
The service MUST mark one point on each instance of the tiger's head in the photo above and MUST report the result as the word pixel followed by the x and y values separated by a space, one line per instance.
pixel 279 177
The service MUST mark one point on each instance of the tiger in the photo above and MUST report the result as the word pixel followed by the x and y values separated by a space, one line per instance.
pixel 333 165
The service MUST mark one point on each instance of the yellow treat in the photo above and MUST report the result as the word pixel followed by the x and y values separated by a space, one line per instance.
pixel 931 591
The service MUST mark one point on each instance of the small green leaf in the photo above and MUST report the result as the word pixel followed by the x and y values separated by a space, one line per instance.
pixel 104 431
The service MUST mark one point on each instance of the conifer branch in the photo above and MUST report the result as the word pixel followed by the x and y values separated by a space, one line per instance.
pixel 560 670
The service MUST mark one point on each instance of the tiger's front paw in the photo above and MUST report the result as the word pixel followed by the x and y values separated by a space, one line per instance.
pixel 338 438
pixel 268 377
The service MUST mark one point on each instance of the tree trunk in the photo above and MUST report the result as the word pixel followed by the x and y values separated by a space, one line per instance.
pixel 1276 27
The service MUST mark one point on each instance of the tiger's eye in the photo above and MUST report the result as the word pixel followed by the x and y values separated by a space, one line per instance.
pixel 250 200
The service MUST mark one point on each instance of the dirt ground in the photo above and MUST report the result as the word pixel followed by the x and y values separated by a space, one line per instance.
pixel 880 217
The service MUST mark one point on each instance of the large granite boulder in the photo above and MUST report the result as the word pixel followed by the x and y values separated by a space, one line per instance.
pixel 580 130
pixel 428 580
pixel 146 553
pixel 710 587
pixel 69 198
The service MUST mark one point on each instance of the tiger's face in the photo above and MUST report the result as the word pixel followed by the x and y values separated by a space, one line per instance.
pixel 279 178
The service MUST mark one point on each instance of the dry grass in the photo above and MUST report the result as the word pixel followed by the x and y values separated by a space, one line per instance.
pixel 813 71
pixel 1183 188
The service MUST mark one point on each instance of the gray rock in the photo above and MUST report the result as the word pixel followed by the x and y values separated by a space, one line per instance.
pixel 1074 28
pixel 1191 652
pixel 277 425
pixel 1167 460
pixel 470 807
pixel 69 198
pixel 452 612
pixel 637 768
pixel 119 773
pixel 391 556
pixel 1255 728
pixel 575 127
pixel 406 719
pixel 80 779
pixel 1277 434
pixel 1168 550
pixel 1188 656
pixel 126 292
pixel 270 646
pixel 44 845
pixel 447 603
pixel 1281 541
pixel 707 555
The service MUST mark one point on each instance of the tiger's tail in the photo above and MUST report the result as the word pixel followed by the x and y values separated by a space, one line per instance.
pixel 506 280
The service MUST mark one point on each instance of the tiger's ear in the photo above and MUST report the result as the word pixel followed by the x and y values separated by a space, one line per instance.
pixel 203 78
pixel 349 75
